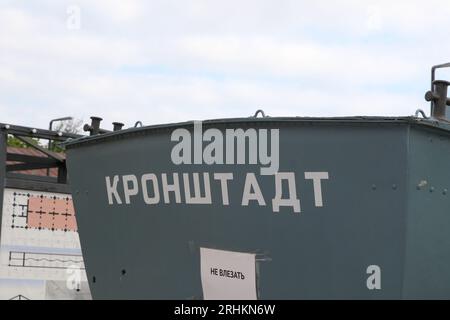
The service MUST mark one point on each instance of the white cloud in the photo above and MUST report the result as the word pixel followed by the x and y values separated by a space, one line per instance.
pixel 116 10
pixel 167 61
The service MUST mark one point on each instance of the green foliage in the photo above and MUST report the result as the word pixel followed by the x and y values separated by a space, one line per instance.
pixel 71 126
pixel 56 148
pixel 14 142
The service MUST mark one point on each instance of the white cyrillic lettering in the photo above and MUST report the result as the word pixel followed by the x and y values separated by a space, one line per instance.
pixel 127 190
pixel 292 201
pixel 111 190
pixel 197 198
pixel 252 183
pixel 224 177
pixel 316 177
pixel 175 187
pixel 150 177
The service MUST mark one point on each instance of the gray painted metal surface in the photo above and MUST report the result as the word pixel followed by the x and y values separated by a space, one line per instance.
pixel 386 203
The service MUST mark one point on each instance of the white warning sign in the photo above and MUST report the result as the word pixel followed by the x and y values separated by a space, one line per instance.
pixel 227 275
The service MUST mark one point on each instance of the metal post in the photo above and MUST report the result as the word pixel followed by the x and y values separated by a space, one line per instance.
pixel 439 100
pixel 3 150
pixel 117 126
pixel 50 128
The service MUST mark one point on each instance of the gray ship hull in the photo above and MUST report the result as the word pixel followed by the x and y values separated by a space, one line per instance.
pixel 372 220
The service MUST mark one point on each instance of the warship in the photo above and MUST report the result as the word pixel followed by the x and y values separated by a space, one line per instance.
pixel 267 207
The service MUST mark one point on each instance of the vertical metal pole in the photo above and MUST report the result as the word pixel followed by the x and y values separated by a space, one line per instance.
pixel 50 126
pixel 62 174
pixel 3 150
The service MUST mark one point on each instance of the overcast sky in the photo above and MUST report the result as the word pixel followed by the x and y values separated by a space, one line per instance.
pixel 169 61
